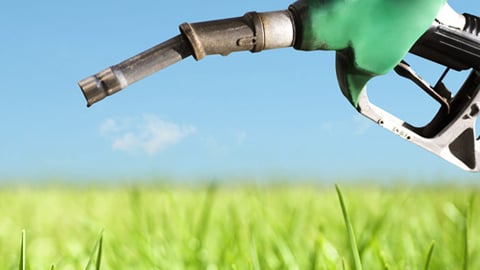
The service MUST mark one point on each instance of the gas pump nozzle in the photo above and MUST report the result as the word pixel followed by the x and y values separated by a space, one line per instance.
pixel 253 32
pixel 370 38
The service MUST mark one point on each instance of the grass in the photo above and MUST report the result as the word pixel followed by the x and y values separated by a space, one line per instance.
pixel 350 232
pixel 429 256
pixel 239 227
pixel 23 245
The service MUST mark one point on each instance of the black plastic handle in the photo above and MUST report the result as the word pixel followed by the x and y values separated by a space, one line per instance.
pixel 455 48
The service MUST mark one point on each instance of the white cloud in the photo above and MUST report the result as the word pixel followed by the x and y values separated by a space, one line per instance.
pixel 328 127
pixel 358 126
pixel 108 126
pixel 240 137
pixel 216 148
pixel 146 134
pixel 228 143
pixel 362 124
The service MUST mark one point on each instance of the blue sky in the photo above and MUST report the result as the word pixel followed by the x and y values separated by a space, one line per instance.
pixel 278 112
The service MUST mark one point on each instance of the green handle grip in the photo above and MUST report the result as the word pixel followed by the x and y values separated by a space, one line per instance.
pixel 370 36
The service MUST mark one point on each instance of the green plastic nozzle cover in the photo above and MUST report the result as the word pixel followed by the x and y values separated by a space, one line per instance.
pixel 370 36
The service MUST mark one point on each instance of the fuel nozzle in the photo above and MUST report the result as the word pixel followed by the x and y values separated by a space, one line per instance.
pixel 252 32
pixel 370 38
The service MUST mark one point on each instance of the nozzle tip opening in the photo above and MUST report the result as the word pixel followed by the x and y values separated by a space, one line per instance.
pixel 99 86
pixel 92 89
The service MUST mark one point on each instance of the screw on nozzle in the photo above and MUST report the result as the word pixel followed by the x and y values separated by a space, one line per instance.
pixel 117 77
pixel 252 32
pixel 101 85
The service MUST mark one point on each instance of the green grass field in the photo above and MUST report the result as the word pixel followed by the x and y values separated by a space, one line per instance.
pixel 240 227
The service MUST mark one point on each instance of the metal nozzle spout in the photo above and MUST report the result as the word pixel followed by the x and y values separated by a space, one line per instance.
pixel 113 79
pixel 253 32
pixel 101 85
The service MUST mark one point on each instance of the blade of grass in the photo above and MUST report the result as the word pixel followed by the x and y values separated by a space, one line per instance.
pixel 465 242
pixel 466 229
pixel 255 263
pixel 429 255
pixel 206 211
pixel 99 254
pixel 97 250
pixel 350 232
pixel 23 248
pixel 314 254
pixel 201 229
pixel 368 238
pixel 328 255
pixel 382 257
pixel 384 261
pixel 344 264
pixel 285 253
